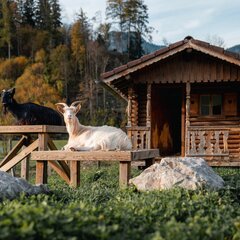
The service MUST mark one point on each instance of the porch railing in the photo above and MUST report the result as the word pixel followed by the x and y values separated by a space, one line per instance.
pixel 140 136
pixel 205 141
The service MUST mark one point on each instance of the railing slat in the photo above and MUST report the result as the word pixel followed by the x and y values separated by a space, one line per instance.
pixel 206 142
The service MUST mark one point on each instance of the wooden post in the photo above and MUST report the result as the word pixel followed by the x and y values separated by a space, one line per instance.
pixel 74 173
pixel 148 106
pixel 129 108
pixel 149 162
pixel 124 173
pixel 25 162
pixel 187 121
pixel 25 168
pixel 183 139
pixel 41 166
pixel 148 117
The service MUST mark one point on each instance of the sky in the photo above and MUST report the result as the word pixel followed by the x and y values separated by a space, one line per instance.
pixel 173 20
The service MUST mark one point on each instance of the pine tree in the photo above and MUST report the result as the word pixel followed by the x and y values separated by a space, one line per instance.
pixel 43 15
pixel 29 10
pixel 136 20
pixel 55 14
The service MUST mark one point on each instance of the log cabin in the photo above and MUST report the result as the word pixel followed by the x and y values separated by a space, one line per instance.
pixel 183 99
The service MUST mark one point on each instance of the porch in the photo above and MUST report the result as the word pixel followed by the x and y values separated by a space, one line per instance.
pixel 218 146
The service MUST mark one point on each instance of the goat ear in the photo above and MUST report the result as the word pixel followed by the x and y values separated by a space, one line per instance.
pixel 12 91
pixel 60 107
pixel 78 107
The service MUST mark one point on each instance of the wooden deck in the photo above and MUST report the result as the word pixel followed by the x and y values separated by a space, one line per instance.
pixel 72 174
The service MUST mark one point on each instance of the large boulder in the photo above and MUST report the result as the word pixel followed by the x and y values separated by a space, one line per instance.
pixel 185 172
pixel 12 187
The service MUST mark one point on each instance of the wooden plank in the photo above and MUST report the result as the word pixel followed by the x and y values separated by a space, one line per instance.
pixel 74 173
pixel 59 170
pixel 222 163
pixel 14 151
pixel 25 168
pixel 63 164
pixel 124 173
pixel 82 156
pixel 23 154
pixel 96 155
pixel 144 154
pixel 32 129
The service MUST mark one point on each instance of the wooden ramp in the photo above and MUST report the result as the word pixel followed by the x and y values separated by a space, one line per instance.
pixel 74 158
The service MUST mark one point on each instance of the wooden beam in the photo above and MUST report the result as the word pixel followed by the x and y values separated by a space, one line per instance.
pixel 183 113
pixel 23 154
pixel 63 164
pixel 95 155
pixel 59 170
pixel 124 173
pixel 32 129
pixel 148 105
pixel 41 166
pixel 14 151
pixel 187 120
pixel 144 154
pixel 81 156
pixel 25 168
pixel 74 173
pixel 129 107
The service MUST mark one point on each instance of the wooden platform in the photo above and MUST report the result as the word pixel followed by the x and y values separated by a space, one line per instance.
pixel 72 174
pixel 42 140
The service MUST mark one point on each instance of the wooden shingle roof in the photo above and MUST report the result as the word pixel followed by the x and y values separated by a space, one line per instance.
pixel 118 79
pixel 172 49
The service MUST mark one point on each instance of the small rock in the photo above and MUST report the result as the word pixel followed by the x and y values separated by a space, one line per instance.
pixel 12 187
pixel 185 172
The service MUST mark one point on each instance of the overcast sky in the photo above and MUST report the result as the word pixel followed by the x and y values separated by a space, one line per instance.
pixel 176 19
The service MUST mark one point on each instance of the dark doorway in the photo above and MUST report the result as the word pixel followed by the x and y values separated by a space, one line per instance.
pixel 166 119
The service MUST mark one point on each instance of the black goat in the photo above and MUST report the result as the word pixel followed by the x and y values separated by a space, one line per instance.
pixel 29 113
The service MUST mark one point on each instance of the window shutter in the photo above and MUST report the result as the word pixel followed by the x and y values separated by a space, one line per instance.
pixel 230 104
pixel 194 106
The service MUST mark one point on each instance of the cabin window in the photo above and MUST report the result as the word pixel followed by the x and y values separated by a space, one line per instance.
pixel 210 105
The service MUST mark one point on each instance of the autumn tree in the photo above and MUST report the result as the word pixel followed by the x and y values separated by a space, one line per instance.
pixel 61 69
pixel 41 92
pixel 7 28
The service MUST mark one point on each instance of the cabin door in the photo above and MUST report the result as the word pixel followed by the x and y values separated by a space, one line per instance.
pixel 166 119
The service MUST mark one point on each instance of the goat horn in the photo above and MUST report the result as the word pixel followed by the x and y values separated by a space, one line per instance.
pixel 75 103
pixel 62 104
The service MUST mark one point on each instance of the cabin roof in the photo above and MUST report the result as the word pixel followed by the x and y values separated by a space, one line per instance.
pixel 188 42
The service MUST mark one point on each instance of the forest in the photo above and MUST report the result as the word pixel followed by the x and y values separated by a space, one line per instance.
pixel 49 61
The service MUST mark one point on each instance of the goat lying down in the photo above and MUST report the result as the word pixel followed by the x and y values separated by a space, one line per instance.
pixel 88 138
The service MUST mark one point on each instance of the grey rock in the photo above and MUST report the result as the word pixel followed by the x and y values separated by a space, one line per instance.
pixel 185 172
pixel 12 187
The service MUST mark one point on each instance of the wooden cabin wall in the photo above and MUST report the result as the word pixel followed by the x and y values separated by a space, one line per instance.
pixel 230 118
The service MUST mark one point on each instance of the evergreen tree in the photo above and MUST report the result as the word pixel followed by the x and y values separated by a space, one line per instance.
pixel 136 20
pixel 29 10
pixel 43 15
pixel 55 14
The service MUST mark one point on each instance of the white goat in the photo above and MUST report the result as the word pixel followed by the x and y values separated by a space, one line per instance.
pixel 88 138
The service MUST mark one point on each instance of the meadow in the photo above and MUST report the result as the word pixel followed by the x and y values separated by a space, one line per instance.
pixel 99 209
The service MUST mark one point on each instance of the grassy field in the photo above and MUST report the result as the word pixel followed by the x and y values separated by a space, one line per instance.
pixel 100 210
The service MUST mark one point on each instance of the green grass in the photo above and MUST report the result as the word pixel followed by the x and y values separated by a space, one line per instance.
pixel 100 210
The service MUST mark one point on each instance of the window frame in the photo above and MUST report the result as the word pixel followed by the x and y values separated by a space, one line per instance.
pixel 210 105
